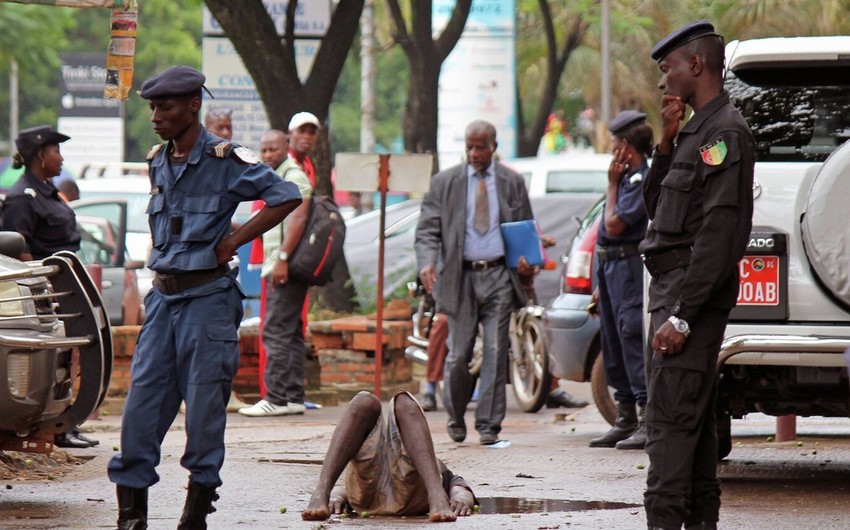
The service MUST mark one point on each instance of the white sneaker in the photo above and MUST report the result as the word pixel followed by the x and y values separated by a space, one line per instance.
pixel 296 408
pixel 264 408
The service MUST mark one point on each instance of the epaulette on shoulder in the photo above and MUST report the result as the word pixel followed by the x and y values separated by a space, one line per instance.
pixel 153 151
pixel 221 149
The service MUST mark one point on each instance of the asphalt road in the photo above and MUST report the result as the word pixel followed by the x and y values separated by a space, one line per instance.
pixel 546 478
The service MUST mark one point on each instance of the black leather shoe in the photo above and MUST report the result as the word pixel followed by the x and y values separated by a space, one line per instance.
pixel 83 437
pixel 457 432
pixel 428 401
pixel 69 441
pixel 559 398
pixel 488 438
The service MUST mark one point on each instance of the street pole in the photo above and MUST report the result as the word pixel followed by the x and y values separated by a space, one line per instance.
pixel 14 104
pixel 606 61
pixel 368 93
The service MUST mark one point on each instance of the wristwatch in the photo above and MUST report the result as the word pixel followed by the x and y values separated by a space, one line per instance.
pixel 680 325
pixel 283 255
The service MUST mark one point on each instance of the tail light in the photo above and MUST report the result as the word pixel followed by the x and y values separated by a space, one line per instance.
pixel 579 276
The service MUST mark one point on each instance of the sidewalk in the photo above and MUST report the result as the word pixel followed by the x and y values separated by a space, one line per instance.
pixel 273 463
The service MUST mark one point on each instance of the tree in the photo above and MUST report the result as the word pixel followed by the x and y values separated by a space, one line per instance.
pixel 555 61
pixel 425 57
pixel 271 62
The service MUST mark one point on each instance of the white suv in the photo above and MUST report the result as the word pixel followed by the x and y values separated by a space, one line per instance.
pixel 782 353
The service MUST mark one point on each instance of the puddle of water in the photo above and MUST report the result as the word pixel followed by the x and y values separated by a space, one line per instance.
pixel 505 505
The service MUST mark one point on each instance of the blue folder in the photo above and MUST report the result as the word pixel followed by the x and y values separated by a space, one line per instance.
pixel 522 238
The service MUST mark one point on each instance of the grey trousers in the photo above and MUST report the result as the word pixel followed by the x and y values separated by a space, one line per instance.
pixel 283 338
pixel 486 298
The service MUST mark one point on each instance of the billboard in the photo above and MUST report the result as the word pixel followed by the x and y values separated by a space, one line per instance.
pixel 478 79
pixel 94 123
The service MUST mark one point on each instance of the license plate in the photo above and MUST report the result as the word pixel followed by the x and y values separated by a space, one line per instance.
pixel 759 281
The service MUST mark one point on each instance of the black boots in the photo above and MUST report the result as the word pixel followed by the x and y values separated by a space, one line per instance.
pixel 199 501
pixel 132 508
pixel 638 438
pixel 624 426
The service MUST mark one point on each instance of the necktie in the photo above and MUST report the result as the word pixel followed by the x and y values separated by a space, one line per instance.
pixel 481 217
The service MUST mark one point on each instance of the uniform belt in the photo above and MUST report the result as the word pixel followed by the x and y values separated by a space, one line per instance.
pixel 482 265
pixel 175 283
pixel 612 253
pixel 658 264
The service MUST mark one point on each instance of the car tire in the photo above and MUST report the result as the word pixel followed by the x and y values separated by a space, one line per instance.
pixel 602 396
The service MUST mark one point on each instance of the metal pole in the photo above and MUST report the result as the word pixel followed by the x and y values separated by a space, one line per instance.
pixel 383 185
pixel 13 104
pixel 605 111
pixel 368 92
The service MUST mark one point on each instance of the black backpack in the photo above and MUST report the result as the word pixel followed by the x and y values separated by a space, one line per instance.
pixel 320 247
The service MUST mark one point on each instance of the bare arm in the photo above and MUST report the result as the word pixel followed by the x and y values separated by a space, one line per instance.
pixel 291 237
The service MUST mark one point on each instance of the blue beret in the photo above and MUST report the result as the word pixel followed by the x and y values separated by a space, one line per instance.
pixel 175 81
pixel 31 140
pixel 625 121
pixel 683 35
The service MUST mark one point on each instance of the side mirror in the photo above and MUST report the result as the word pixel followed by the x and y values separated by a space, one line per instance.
pixel 134 264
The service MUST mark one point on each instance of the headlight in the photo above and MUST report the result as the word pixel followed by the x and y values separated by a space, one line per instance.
pixel 18 370
pixel 14 308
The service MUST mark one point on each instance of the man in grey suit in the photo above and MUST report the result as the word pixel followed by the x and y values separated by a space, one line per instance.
pixel 461 257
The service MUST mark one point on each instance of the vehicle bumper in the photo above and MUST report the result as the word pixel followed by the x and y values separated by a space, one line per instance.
pixel 570 332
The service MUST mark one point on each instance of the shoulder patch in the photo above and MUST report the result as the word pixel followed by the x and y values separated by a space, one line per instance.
pixel 153 151
pixel 246 155
pixel 714 152
pixel 31 192
pixel 220 149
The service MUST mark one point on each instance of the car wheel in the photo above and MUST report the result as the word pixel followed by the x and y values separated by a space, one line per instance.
pixel 602 396
pixel 530 377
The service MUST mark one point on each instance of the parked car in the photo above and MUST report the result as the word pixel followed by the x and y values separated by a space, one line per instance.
pixel 573 335
pixel 557 213
pixel 784 342
pixel 563 173
pixel 49 309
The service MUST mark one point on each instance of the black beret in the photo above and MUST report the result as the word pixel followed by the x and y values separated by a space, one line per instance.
pixel 30 140
pixel 683 35
pixel 176 81
pixel 625 121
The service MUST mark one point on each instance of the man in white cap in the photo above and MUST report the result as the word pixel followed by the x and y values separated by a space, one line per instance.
pixel 303 130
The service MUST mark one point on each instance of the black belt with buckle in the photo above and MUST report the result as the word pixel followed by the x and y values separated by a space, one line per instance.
pixel 482 265
pixel 612 253
pixel 658 264
pixel 175 283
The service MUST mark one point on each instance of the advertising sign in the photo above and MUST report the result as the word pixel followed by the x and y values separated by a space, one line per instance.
pixel 93 122
pixel 478 79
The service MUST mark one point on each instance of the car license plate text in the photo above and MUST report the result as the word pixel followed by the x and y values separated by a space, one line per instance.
pixel 759 280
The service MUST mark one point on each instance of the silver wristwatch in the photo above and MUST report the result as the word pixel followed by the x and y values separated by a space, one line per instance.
pixel 680 325
pixel 283 255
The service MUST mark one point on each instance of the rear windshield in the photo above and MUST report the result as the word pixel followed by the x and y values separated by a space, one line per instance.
pixel 576 181
pixel 796 112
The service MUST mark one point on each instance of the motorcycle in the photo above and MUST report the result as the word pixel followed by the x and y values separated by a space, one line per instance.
pixel 528 363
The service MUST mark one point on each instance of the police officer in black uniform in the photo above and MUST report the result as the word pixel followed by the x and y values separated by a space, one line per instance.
pixel 188 346
pixel 33 207
pixel 699 198
pixel 620 279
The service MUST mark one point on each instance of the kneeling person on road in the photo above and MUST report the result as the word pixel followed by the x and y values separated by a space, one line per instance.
pixel 391 468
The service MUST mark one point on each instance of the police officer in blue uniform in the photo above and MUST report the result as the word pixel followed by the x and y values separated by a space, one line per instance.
pixel 187 348
pixel 619 272
pixel 699 197
pixel 33 207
